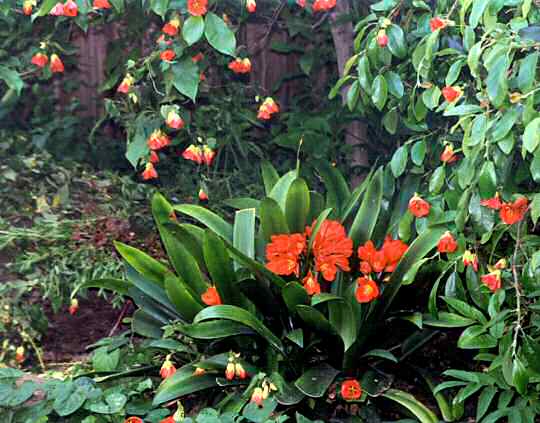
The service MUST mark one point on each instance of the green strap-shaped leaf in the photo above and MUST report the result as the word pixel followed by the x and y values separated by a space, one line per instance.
pixel 237 314
pixel 189 239
pixel 316 380
pixel 337 190
pixel 270 176
pixel 220 267
pixel 145 325
pixel 120 286
pixel 272 219
pixel 207 218
pixel 366 217
pixel 294 294
pixel 281 188
pixel 340 313
pixel 419 410
pixel 354 198
pixel 181 296
pixel 315 319
pixel 215 329
pixel 153 292
pixel 244 233
pixel 176 387
pixel 150 268
pixel 297 206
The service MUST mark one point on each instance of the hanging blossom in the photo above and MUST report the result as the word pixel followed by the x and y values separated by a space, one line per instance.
pixel 240 66
pixel 267 109
pixel 323 5
pixel 158 140
pixel 197 7
pixel 419 207
pixel 171 27
pixel 351 390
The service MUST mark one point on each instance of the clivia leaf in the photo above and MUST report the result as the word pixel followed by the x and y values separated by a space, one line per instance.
pixel 207 218
pixel 147 266
pixel 316 380
pixel 419 410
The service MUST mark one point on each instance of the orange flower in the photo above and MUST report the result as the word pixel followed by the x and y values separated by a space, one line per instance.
pixel 311 284
pixel 193 153
pixel 171 27
pixel 301 3
pixel 257 396
pixel 199 371
pixel 102 4
pixel 251 6
pixel 74 306
pixel 174 120
pixel 501 264
pixel 154 158
pixel 19 355
pixel 511 213
pixel 447 243
pixel 158 140
pixel 437 23
pixel 169 419
pixel 267 109
pixel 57 10
pixel 202 77
pixel 27 7
pixel 448 155
pixel 470 259
pixel 197 7
pixel 382 38
pixel 208 155
pixel 367 251
pixel 323 5
pixel 393 250
pixel 367 290
pixel 56 64
pixel 40 60
pixel 70 8
pixel 493 203
pixel 240 65
pixel 492 280
pixel 211 297
pixel 126 84
pixel 331 249
pixel 198 57
pixel 378 261
pixel 203 196
pixel 418 206
pixel 452 94
pixel 229 371
pixel 365 267
pixel 239 371
pixel 167 369
pixel 283 253
pixel 149 172
pixel 133 420
pixel 167 55
pixel 351 390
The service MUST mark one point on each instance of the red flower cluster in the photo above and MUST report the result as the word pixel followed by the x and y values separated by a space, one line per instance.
pixel 367 290
pixel 158 140
pixel 323 5
pixel 204 155
pixel 267 109
pixel 171 27
pixel 418 206
pixel 351 390
pixel 509 213
pixel 283 254
pixel 197 7
pixel 68 8
pixel 234 368
pixel 384 260
pixel 211 297
pixel 240 65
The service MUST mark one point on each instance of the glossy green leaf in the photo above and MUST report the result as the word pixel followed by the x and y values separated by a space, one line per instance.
pixel 366 217
pixel 531 136
pixel 244 233
pixel 297 206
pixel 215 329
pixel 208 219
pixel 399 161
pixel 186 78
pixel 396 41
pixel 273 220
pixel 179 385
pixel 150 268
pixel 294 294
pixel 219 34
pixel 316 380
pixel 281 188
pixel 379 92
pixel 419 410
pixel 182 297
pixel 193 29
pixel 269 175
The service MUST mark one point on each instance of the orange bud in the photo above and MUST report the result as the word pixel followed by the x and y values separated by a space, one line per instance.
pixel 257 396
pixel 229 371
pixel 56 64
pixel 74 306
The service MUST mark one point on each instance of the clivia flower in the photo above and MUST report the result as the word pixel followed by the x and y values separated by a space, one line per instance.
pixel 174 120
pixel 240 66
pixel 197 58
pixel 74 306
pixel 229 370
pixel 492 280
pixel 133 420
pixel 154 158
pixel 40 60
pixel 331 249
pixel 382 38
pixel 71 9
pixel 323 5
pixel 283 253
pixel 167 368
pixel 28 5
pixel 203 196
pixel 167 55
pixel 211 297
pixel 257 396
pixel 193 153
pixel 197 7
pixel 19 354
pixel 251 6
pixel 311 284
pixel 437 23
pixel 470 259
pixel 501 264
pixel 511 213
pixel 448 155
pixel 208 155
pixel 57 10
pixel 158 140
pixel 149 172
pixel 351 390
pixel 393 251
pixel 452 94
pixel 101 4
pixel 418 206
pixel 239 371
pixel 267 109
pixel 367 290
pixel 199 371
pixel 171 27
pixel 447 243
pixel 126 84
pixel 56 64
pixel 493 203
